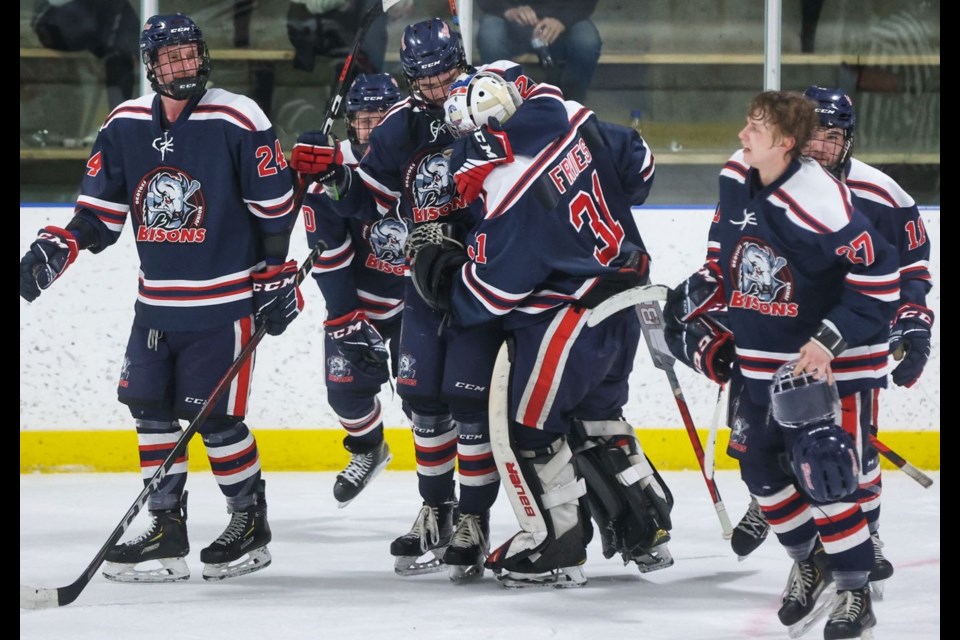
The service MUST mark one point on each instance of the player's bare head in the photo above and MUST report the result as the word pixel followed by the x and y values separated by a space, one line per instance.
pixel 368 99
pixel 788 114
pixel 832 142
pixel 432 57
pixel 174 52
pixel 477 98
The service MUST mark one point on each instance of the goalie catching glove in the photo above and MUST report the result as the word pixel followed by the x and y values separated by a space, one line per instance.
pixel 476 155
pixel 359 342
pixel 910 340
pixel 436 254
pixel 49 255
pixel 276 296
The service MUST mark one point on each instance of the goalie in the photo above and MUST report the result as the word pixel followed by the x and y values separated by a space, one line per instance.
pixel 554 187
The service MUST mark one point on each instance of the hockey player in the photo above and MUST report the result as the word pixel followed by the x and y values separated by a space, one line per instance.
pixel 802 273
pixel 361 278
pixel 202 179
pixel 557 237
pixel 895 215
pixel 444 372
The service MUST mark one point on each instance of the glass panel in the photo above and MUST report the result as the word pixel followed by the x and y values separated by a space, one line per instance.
pixel 689 67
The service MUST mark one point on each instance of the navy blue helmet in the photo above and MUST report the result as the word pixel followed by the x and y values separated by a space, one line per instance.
pixel 430 47
pixel 375 92
pixel 176 30
pixel 835 111
pixel 825 462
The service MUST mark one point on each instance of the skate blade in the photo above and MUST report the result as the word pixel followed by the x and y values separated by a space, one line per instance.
pixel 170 570
pixel 254 561
pixel 824 605
pixel 376 471
pixel 876 589
pixel 412 565
pixel 465 573
pixel 659 558
pixel 563 578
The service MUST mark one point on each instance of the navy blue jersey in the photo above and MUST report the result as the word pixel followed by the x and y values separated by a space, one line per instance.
pixel 556 218
pixel 363 266
pixel 794 254
pixel 895 215
pixel 201 196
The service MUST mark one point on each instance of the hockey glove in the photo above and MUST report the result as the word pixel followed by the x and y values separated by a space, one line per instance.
pixel 276 297
pixel 51 253
pixel 359 342
pixel 476 155
pixel 910 340
pixel 435 257
pixel 703 345
pixel 698 294
pixel 317 157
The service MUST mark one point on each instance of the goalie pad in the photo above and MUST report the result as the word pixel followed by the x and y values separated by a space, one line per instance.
pixel 628 499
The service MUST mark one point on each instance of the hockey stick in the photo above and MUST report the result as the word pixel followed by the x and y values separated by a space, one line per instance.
pixel 625 300
pixel 925 481
pixel 709 453
pixel 651 321
pixel 45 598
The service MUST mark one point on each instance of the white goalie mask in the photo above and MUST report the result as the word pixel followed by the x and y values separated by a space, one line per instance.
pixel 474 99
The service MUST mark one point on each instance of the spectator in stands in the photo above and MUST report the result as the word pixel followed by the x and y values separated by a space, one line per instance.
pixel 109 29
pixel 569 43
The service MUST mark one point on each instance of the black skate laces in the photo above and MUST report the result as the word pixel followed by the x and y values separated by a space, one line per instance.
pixel 848 607
pixel 753 523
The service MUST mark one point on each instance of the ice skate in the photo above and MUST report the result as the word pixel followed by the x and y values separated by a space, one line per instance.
pixel 852 616
pixel 365 464
pixel 468 548
pixel 657 557
pixel 882 569
pixel 802 603
pixel 242 547
pixel 750 532
pixel 421 550
pixel 164 543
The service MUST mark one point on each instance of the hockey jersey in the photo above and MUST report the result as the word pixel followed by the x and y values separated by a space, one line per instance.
pixel 556 218
pixel 201 196
pixel 895 215
pixel 363 266
pixel 796 253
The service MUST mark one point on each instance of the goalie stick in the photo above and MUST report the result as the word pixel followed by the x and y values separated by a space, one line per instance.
pixel 44 598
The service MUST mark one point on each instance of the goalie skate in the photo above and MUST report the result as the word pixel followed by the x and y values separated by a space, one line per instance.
pixel 242 547
pixel 421 550
pixel 658 557
pixel 562 578
pixel 164 543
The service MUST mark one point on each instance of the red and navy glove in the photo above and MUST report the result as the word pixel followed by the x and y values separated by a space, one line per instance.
pixel 704 345
pixel 49 255
pixel 276 296
pixel 698 294
pixel 910 343
pixel 359 342
pixel 317 156
pixel 476 155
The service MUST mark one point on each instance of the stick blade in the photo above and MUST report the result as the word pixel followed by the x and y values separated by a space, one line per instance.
pixel 38 597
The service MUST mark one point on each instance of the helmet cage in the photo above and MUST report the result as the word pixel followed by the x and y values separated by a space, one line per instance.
pixel 429 49
pixel 834 109
pixel 182 39
pixel 801 401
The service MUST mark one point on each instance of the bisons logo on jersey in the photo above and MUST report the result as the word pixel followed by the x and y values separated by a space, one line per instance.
pixel 169 206
pixel 125 374
pixel 406 371
pixel 738 434
pixel 387 238
pixel 429 186
pixel 763 281
pixel 338 369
